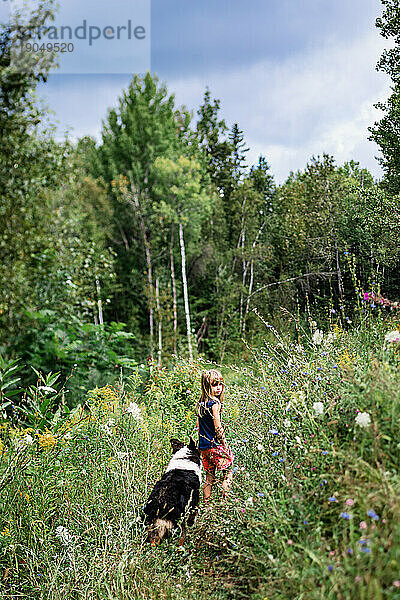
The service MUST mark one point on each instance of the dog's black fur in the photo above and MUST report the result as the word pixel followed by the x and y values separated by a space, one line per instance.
pixel 176 495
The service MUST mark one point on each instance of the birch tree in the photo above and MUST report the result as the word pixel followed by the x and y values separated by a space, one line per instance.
pixel 184 202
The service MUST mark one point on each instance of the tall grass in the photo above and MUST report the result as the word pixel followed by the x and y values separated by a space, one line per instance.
pixel 314 510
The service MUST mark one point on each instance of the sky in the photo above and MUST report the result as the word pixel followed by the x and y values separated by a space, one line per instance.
pixel 298 76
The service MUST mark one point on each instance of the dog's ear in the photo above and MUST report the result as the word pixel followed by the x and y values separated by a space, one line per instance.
pixel 192 445
pixel 176 444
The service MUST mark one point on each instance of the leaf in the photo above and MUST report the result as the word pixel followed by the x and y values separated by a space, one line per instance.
pixel 6 385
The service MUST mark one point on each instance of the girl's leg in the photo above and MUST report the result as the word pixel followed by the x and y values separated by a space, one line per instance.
pixel 227 482
pixel 210 480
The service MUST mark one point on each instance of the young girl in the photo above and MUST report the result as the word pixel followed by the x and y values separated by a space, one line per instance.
pixel 215 452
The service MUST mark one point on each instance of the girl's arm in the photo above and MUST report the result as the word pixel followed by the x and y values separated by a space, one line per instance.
pixel 219 430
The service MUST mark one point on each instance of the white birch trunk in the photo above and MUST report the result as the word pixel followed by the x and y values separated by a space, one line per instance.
pixel 99 303
pixel 249 294
pixel 185 290
pixel 175 312
pixel 159 352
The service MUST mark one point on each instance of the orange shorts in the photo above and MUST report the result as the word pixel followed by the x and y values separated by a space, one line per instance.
pixel 216 458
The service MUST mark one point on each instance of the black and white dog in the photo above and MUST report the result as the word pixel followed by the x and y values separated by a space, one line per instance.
pixel 176 495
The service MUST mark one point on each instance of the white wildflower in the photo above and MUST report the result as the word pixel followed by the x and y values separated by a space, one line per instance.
pixel 249 501
pixel 46 389
pixel 363 419
pixel 260 448
pixel 330 337
pixel 393 336
pixel 317 337
pixel 318 408
pixel 122 455
pixel 64 535
pixel 108 427
pixel 298 440
pixel 134 410
pixel 28 440
pixel 287 423
pixel 68 435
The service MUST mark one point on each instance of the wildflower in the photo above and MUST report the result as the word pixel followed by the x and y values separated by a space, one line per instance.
pixel 332 499
pixel 318 408
pixel 365 549
pixel 290 542
pixel 324 452
pixel 330 568
pixel 260 448
pixel 330 337
pixel 350 551
pixel 346 515
pixel 134 410
pixel 396 583
pixel 287 423
pixel 317 337
pixel 393 336
pixel 273 432
pixel 122 455
pixel 363 419
pixel 363 525
pixel 64 535
pixel 357 578
pixel 275 453
pixel 249 501
pixel 260 495
pixel 47 441
pixel 107 428
pixel 349 502
pixel 371 513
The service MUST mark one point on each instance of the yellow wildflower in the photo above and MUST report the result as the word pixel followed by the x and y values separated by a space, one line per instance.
pixel 47 440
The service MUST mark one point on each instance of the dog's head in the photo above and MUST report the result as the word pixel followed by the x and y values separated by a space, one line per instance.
pixel 191 453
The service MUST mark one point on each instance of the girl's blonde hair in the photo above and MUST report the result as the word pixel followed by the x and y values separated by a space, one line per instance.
pixel 208 378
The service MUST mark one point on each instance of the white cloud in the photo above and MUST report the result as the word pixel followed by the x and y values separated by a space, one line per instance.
pixel 305 105
pixel 310 104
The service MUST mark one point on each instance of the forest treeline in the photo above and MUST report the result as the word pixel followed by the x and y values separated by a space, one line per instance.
pixel 161 238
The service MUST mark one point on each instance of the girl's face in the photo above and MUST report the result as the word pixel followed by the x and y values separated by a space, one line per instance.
pixel 217 386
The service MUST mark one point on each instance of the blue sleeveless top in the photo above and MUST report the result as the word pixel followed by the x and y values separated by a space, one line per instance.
pixel 207 437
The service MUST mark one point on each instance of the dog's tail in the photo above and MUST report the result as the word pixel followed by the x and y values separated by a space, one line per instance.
pixel 159 530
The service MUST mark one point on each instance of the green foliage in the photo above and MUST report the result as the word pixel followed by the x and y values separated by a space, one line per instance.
pixel 386 131
pixel 9 370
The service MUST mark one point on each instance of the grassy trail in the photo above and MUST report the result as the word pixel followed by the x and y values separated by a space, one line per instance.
pixel 314 510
